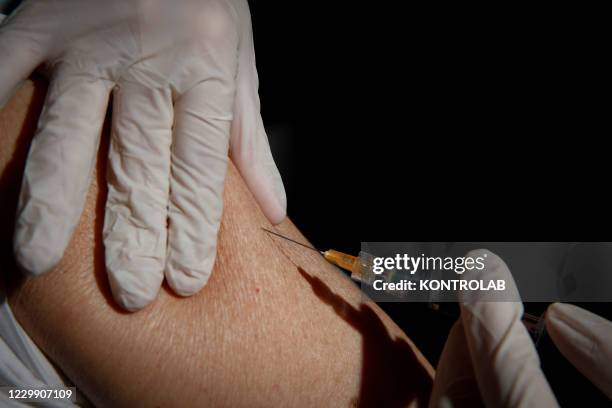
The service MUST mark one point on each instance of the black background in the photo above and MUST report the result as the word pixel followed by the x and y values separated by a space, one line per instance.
pixel 447 123
pixel 443 124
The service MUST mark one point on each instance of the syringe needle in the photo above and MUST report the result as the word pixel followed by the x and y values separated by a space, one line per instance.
pixel 345 261
pixel 292 240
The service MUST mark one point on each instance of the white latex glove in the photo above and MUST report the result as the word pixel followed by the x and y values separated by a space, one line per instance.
pixel 489 358
pixel 585 339
pixel 184 89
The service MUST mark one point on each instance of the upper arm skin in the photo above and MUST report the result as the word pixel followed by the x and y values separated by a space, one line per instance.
pixel 275 325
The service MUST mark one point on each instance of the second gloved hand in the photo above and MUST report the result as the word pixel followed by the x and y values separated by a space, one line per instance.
pixel 489 358
pixel 184 89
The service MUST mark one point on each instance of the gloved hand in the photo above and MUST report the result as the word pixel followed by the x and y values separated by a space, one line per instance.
pixel 184 87
pixel 489 357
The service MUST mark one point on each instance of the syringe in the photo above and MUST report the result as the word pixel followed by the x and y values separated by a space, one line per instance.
pixel 347 262
pixel 355 265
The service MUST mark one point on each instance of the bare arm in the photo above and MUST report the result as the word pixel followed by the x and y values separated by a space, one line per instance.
pixel 276 324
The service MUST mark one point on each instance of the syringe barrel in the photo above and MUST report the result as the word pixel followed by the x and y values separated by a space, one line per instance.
pixel 345 261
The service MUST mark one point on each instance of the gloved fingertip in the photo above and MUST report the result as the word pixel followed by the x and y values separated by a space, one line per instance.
pixel 276 215
pixel 133 298
pixel 185 285
pixel 567 313
pixel 131 302
pixel 34 260
pixel 134 283
pixel 572 320
pixel 281 195
pixel 567 326
pixel 583 338
pixel 187 280
pixel 554 310
pixel 552 316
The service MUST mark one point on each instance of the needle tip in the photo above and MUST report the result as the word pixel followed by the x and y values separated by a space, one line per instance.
pixel 289 239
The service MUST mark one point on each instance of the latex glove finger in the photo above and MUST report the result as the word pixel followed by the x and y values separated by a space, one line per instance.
pixel 138 183
pixel 249 146
pixel 202 117
pixel 199 165
pixel 455 382
pixel 584 339
pixel 503 355
pixel 58 170
pixel 21 51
